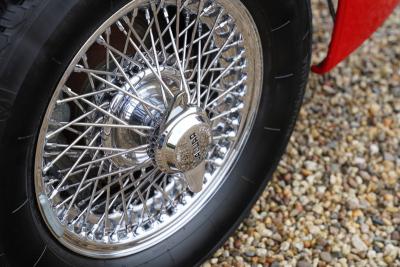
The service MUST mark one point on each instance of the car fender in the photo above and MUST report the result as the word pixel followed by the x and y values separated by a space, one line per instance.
pixel 355 22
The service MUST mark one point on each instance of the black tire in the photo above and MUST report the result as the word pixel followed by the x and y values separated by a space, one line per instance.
pixel 36 46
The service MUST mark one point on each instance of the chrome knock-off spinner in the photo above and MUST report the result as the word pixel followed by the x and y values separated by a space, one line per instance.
pixel 183 144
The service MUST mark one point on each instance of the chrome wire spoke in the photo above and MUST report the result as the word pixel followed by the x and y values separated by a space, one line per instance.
pixel 73 197
pixel 125 151
pixel 156 11
pixel 138 127
pixel 114 197
pixel 153 45
pixel 138 38
pixel 101 161
pixel 64 179
pixel 80 68
pixel 131 85
pixel 52 145
pixel 86 65
pixel 55 132
pixel 65 100
pixel 195 30
pixel 206 44
pixel 142 56
pixel 178 61
pixel 128 35
pixel 88 209
pixel 123 91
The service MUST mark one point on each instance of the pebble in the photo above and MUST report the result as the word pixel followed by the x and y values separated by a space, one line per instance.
pixel 214 261
pixel 365 228
pixel 250 252
pixel 374 149
pixel 353 203
pixel 313 229
pixel 261 252
pixel 326 257
pixel 299 246
pixel 285 246
pixel 396 91
pixel 395 236
pixel 377 221
pixel 358 244
pixel 311 165
pixel 304 264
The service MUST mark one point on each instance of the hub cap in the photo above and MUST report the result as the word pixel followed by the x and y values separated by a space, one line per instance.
pixel 146 123
pixel 183 144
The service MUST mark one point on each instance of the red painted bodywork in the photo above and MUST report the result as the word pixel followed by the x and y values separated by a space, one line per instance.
pixel 355 21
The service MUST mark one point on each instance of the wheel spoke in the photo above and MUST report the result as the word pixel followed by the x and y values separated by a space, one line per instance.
pixel 157 23
pixel 64 179
pixel 233 87
pixel 143 57
pixel 153 45
pixel 53 133
pixel 131 85
pixel 129 34
pixel 137 127
pixel 68 148
pixel 124 91
pixel 178 61
pixel 121 153
pixel 138 38
pixel 53 145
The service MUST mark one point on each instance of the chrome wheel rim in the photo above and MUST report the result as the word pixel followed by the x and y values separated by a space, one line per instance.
pixel 101 188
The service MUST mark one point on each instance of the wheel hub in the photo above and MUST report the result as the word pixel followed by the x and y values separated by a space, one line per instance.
pixel 183 132
pixel 134 112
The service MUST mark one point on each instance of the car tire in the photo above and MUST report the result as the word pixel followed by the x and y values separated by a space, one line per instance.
pixel 39 38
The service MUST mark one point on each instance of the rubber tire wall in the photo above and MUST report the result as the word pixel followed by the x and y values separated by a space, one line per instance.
pixel 38 39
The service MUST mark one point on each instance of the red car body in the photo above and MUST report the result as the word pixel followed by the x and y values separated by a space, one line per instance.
pixel 355 21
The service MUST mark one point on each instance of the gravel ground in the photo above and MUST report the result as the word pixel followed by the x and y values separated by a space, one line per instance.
pixel 335 197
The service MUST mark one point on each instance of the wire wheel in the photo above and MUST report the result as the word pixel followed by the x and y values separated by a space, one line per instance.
pixel 107 181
